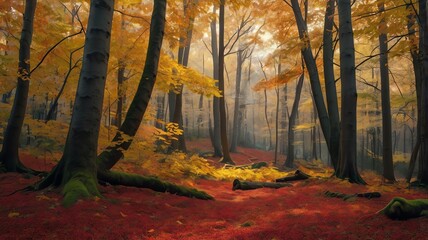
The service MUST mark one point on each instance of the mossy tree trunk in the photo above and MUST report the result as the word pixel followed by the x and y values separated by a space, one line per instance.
pixel 77 170
pixel 9 154
pixel 347 164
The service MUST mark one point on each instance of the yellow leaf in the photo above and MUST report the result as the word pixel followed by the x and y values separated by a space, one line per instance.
pixel 123 214
pixel 151 230
pixel 179 222
pixel 13 214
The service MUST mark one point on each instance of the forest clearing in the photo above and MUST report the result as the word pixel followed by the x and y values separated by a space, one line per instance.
pixel 226 119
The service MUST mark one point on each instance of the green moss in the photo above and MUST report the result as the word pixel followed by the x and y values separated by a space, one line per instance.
pixel 79 186
pixel 400 208
pixel 134 180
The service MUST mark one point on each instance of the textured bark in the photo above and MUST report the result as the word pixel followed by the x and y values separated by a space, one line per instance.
pixel 77 170
pixel 313 73
pixel 9 154
pixel 216 139
pixel 423 158
pixel 330 85
pixel 113 153
pixel 388 166
pixel 347 164
pixel 298 175
pixel 292 121
pixel 223 122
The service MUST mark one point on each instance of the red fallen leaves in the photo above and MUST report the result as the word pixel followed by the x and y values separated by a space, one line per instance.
pixel 298 212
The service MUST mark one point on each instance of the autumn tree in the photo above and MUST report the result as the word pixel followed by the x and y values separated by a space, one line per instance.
pixel 9 154
pixel 388 167
pixel 347 164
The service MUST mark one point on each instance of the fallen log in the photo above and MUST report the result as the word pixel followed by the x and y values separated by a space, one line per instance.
pixel 242 185
pixel 298 175
pixel 402 209
pixel 257 165
pixel 346 197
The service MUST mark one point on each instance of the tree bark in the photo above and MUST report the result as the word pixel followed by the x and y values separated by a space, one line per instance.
pixel 223 123
pixel 330 85
pixel 388 165
pixel 347 164
pixel 423 160
pixel 292 121
pixel 236 112
pixel 216 139
pixel 313 73
pixel 9 154
pixel 114 152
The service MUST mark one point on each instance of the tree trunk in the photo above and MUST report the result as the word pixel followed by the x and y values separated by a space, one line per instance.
pixel 120 92
pixel 330 85
pixel 113 153
pixel 77 170
pixel 292 121
pixel 223 123
pixel 236 111
pixel 9 154
pixel 423 160
pixel 313 74
pixel 216 139
pixel 415 52
pixel 388 166
pixel 347 164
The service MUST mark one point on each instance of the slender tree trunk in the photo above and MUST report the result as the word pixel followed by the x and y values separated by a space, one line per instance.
pixel 330 85
pixel 313 75
pixel 292 121
pixel 113 153
pixel 388 166
pixel 120 92
pixel 277 116
pixel 223 122
pixel 9 154
pixel 236 112
pixel 347 164
pixel 216 139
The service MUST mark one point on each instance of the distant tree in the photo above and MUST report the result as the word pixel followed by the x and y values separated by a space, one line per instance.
pixel 388 166
pixel 9 154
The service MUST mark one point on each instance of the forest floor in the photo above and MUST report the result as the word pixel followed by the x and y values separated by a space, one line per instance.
pixel 298 212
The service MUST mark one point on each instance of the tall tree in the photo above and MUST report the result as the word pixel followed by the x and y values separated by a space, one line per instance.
pixel 77 170
pixel 313 74
pixel 223 123
pixel 347 164
pixel 388 166
pixel 330 83
pixel 216 139
pixel 292 122
pixel 423 159
pixel 9 154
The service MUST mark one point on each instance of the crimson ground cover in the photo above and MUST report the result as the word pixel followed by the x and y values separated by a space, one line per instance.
pixel 298 212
